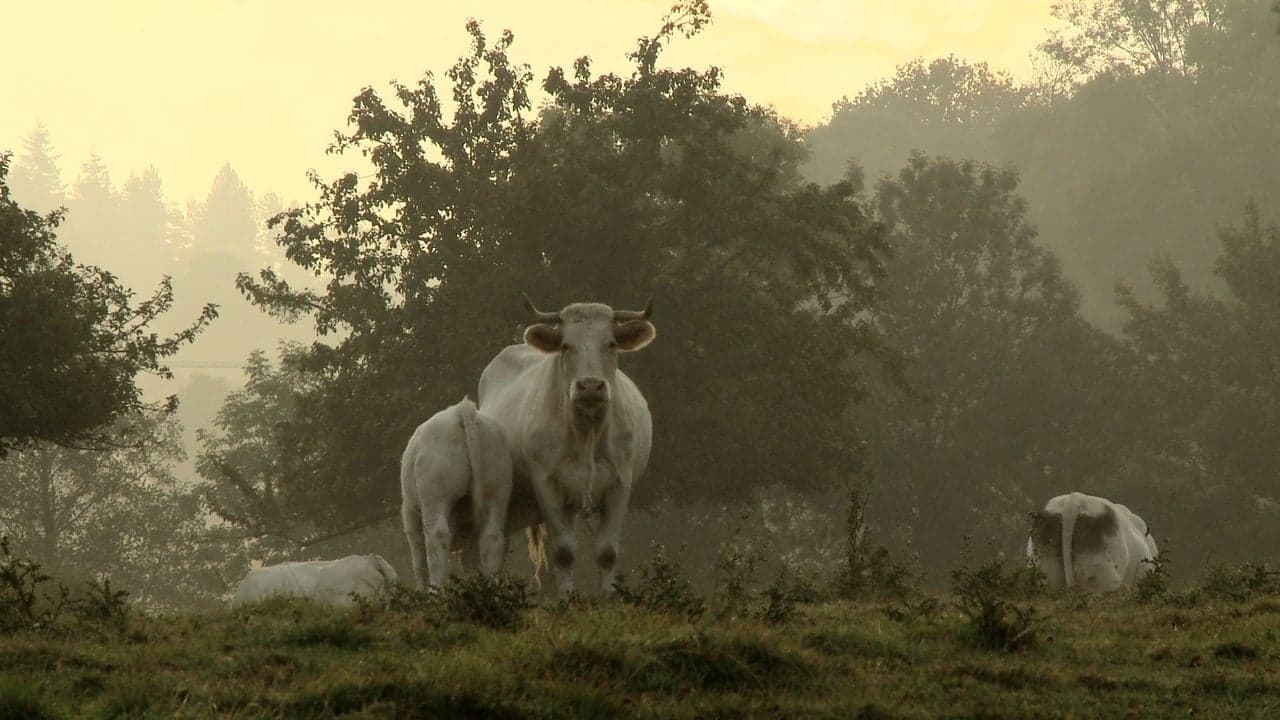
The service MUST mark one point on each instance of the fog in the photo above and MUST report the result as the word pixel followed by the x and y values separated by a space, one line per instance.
pixel 1055 258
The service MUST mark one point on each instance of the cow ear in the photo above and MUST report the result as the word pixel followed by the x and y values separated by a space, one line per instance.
pixel 634 334
pixel 543 337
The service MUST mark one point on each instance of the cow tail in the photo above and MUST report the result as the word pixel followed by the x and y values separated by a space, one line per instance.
pixel 1068 530
pixel 475 450
pixel 537 535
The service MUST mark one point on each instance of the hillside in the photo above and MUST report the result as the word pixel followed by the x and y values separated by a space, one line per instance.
pixel 1192 654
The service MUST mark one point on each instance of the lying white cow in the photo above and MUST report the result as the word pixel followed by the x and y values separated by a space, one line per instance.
pixel 331 582
pixel 1091 543
pixel 455 482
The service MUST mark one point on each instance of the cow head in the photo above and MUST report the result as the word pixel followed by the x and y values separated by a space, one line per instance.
pixel 587 338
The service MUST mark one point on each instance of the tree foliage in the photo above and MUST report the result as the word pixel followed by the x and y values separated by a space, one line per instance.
pixel 1011 385
pixel 1127 36
pixel 74 340
pixel 1212 406
pixel 119 513
pixel 656 184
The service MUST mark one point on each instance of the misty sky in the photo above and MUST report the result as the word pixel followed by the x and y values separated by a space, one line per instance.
pixel 187 86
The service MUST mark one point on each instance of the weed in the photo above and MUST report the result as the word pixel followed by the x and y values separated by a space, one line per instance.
pixel 735 574
pixel 1235 651
pixel 24 601
pixel 909 610
pixel 101 604
pixel 1153 585
pixel 19 702
pixel 988 597
pixel 496 601
pixel 661 587
pixel 784 593
pixel 1240 582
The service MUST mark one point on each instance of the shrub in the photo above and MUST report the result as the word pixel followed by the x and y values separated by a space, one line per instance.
pixel 735 574
pixel 101 604
pixel 1154 585
pixel 25 601
pixel 788 590
pixel 911 609
pixel 660 586
pixel 1240 582
pixel 496 601
pixel 869 572
pixel 988 597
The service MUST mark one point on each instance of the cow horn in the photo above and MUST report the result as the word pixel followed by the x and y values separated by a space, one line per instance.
pixel 627 315
pixel 544 317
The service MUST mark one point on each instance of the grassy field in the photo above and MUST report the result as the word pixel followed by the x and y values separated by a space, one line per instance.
pixel 1098 657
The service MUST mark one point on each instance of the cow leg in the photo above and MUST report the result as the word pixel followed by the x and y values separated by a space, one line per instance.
pixel 559 524
pixel 492 541
pixel 436 534
pixel 612 512
pixel 411 518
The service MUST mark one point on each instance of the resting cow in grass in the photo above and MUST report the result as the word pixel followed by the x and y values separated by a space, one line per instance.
pixel 331 582
pixel 455 482
pixel 579 429
pixel 1091 543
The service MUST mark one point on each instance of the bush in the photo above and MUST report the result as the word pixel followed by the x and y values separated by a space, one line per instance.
pixel 1240 582
pixel 869 572
pixel 660 587
pixel 735 575
pixel 784 594
pixel 496 601
pixel 988 598
pixel 25 601
pixel 1153 585
pixel 100 604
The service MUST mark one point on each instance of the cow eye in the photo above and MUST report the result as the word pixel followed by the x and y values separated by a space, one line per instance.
pixel 564 346
pixel 612 344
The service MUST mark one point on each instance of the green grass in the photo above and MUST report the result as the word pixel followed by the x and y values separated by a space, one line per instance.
pixel 1095 658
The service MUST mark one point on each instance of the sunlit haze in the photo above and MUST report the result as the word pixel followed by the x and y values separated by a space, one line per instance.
pixel 187 87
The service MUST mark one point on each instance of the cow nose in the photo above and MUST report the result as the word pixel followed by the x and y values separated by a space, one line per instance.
pixel 590 386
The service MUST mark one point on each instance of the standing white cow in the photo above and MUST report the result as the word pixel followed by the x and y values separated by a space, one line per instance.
pixel 455 482
pixel 579 429
pixel 331 582
pixel 1089 542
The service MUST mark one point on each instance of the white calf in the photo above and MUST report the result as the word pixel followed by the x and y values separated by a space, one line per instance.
pixel 455 481
pixel 331 582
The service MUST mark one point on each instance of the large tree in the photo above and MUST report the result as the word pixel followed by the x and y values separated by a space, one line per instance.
pixel 944 107
pixel 1207 368
pixel 72 339
pixel 1014 396
pixel 652 184
pixel 119 513
pixel 1126 36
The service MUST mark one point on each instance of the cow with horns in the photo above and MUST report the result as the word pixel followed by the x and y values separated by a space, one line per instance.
pixel 578 428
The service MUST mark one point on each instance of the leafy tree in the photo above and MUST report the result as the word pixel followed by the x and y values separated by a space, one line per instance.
pixel 245 458
pixel 945 107
pixel 74 340
pixel 1127 36
pixel 624 187
pixel 83 513
pixel 1011 387
pixel 36 181
pixel 1207 368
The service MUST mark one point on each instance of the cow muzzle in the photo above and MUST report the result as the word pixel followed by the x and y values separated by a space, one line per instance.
pixel 590 395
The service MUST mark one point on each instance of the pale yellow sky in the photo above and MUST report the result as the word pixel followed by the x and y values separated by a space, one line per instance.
pixel 186 85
